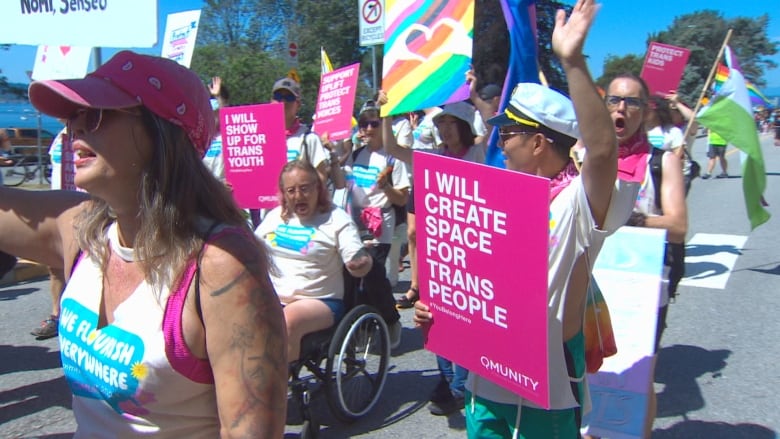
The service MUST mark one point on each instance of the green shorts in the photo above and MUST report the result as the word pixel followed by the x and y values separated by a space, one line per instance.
pixel 487 419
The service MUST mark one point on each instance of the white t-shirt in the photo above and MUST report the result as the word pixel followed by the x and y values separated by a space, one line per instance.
pixel 666 139
pixel 309 256
pixel 572 232
pixel 363 173
pixel 213 158
pixel 315 152
pixel 426 136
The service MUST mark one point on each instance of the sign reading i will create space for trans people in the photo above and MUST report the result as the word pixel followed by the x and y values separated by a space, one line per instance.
pixel 482 259
pixel 254 150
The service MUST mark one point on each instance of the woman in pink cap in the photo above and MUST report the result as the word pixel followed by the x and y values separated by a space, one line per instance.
pixel 169 326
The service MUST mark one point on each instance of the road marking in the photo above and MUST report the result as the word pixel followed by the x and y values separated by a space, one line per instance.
pixel 710 258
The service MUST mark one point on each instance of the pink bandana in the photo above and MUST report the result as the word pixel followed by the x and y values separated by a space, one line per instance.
pixel 293 129
pixel 632 157
pixel 563 179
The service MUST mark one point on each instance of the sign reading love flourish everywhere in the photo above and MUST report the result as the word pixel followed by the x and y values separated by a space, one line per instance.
pixel 426 59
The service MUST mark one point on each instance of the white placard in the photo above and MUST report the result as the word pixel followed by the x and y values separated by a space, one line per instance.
pixel 181 30
pixel 371 19
pixel 87 23
pixel 61 62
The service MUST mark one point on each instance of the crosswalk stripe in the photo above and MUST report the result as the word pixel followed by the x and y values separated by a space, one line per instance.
pixel 710 258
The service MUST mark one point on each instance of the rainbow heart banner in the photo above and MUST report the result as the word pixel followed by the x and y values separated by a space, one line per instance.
pixel 428 47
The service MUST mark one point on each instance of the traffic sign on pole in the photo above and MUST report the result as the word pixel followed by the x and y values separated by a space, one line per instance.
pixel 372 22
pixel 292 54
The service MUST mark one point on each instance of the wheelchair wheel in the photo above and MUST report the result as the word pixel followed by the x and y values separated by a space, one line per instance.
pixel 16 174
pixel 357 363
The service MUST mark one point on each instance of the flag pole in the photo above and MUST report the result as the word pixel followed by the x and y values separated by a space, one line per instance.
pixel 696 108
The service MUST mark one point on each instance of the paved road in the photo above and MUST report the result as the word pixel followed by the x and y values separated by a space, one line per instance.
pixel 716 370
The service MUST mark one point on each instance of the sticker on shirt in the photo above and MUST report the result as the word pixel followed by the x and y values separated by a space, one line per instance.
pixel 215 149
pixel 553 238
pixel 295 238
pixel 365 176
pixel 292 154
pixel 104 364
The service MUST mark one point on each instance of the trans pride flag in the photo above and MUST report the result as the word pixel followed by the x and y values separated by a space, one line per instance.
pixel 729 114
pixel 428 47
pixel 757 99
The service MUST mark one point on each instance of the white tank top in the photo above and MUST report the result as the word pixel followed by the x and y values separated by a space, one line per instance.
pixel 136 376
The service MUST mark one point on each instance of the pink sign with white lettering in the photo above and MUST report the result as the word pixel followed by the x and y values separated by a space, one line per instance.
pixel 254 150
pixel 482 237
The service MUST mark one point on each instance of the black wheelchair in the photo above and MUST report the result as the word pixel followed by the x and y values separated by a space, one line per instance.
pixel 349 360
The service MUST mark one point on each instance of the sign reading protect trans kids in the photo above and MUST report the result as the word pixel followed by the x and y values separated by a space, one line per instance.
pixel 482 264
pixel 88 23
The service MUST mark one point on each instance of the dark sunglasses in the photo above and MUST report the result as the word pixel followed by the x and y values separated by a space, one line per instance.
pixel 632 103
pixel 505 135
pixel 93 117
pixel 284 97
pixel 371 123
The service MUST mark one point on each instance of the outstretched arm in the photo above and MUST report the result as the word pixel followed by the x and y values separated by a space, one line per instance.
pixel 599 169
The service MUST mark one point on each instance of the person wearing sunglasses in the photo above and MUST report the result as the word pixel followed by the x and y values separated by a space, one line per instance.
pixel 169 324
pixel 537 129
pixel 302 143
pixel 378 184
pixel 661 201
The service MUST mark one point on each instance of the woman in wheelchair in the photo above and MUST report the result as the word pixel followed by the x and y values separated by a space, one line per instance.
pixel 310 241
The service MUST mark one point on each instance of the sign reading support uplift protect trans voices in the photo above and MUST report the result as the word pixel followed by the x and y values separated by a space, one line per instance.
pixel 88 23
pixel 663 68
pixel 482 236
pixel 254 150
pixel 335 101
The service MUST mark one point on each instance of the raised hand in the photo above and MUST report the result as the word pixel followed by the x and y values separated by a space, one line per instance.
pixel 216 86
pixel 568 37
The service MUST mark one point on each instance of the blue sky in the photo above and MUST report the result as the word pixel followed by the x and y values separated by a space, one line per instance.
pixel 621 28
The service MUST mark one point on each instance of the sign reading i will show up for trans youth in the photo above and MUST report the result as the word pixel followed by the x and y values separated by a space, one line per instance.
pixel 482 264
pixel 88 23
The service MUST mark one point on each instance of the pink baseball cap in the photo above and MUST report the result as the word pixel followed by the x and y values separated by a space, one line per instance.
pixel 128 79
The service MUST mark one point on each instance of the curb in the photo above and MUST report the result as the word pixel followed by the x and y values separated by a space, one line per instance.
pixel 23 271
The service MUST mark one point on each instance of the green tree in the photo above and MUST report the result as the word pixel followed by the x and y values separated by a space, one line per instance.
pixel 615 65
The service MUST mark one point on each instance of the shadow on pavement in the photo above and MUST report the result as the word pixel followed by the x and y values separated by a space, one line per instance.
pixel 14 293
pixel 34 398
pixel 713 430
pixel 678 367
pixel 405 393
pixel 26 358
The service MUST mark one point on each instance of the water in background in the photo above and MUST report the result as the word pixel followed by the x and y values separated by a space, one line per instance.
pixel 23 115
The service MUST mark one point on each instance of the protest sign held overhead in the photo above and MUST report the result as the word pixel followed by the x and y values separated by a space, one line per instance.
pixel 426 55
pixel 88 23
pixel 483 270
pixel 663 68
pixel 181 30
pixel 255 151
pixel 335 102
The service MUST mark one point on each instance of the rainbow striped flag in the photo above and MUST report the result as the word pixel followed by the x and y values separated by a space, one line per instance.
pixel 757 99
pixel 428 47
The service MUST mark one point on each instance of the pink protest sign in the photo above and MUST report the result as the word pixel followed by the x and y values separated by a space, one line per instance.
pixel 664 66
pixel 254 150
pixel 335 102
pixel 482 236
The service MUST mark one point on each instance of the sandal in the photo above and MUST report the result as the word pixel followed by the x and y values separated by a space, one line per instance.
pixel 405 302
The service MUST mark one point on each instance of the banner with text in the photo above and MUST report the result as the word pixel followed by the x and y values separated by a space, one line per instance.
pixel 663 68
pixel 482 259
pixel 335 102
pixel 88 23
pixel 426 55
pixel 254 150
pixel 181 30
pixel 60 62
pixel 628 271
